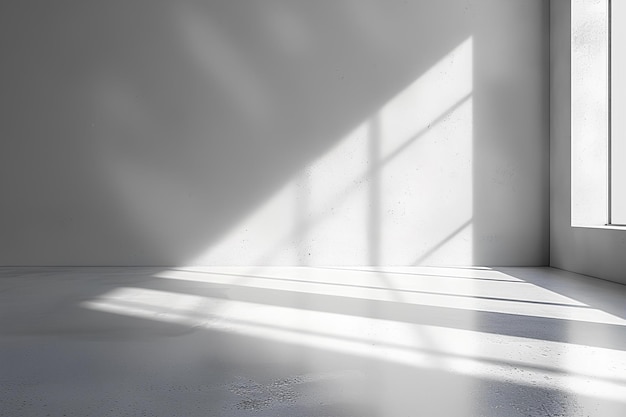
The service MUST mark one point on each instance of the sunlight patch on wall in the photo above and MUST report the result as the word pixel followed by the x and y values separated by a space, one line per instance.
pixel 398 189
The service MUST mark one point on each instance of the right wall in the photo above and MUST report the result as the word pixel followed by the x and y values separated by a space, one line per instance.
pixel 591 251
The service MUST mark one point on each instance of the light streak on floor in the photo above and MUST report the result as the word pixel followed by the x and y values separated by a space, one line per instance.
pixel 310 342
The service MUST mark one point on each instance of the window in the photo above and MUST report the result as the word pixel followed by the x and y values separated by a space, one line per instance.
pixel 598 175
pixel 617 112
pixel 590 113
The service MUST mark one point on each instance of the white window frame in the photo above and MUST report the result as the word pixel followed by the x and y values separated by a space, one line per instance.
pixel 590 111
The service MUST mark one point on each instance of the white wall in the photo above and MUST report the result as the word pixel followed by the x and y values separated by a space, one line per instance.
pixel 274 132
pixel 592 251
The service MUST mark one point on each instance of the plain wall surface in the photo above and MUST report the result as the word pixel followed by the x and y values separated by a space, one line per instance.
pixel 274 132
pixel 591 251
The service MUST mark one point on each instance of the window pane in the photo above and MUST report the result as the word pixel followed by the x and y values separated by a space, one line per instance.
pixel 618 111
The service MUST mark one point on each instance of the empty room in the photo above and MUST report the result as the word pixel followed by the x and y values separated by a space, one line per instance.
pixel 299 208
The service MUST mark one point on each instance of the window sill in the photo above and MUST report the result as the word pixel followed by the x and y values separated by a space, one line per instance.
pixel 600 226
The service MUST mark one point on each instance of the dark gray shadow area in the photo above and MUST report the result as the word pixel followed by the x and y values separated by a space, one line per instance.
pixel 511 136
pixel 156 126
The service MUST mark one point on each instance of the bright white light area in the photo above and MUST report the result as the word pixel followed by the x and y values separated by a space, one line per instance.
pixel 508 297
pixel 618 110
pixel 430 98
pixel 397 189
pixel 589 112
pixel 427 176
pixel 537 363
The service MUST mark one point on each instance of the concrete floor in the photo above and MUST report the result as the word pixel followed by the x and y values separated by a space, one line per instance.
pixel 310 342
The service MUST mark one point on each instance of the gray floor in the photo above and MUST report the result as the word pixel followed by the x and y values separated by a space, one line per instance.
pixel 310 342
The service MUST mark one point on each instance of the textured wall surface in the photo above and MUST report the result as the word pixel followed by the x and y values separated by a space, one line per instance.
pixel 591 251
pixel 274 132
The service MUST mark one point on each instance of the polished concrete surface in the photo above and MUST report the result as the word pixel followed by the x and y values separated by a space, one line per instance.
pixel 310 342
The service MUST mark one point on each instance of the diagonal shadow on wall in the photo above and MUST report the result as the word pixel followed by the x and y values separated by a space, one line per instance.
pixel 161 125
